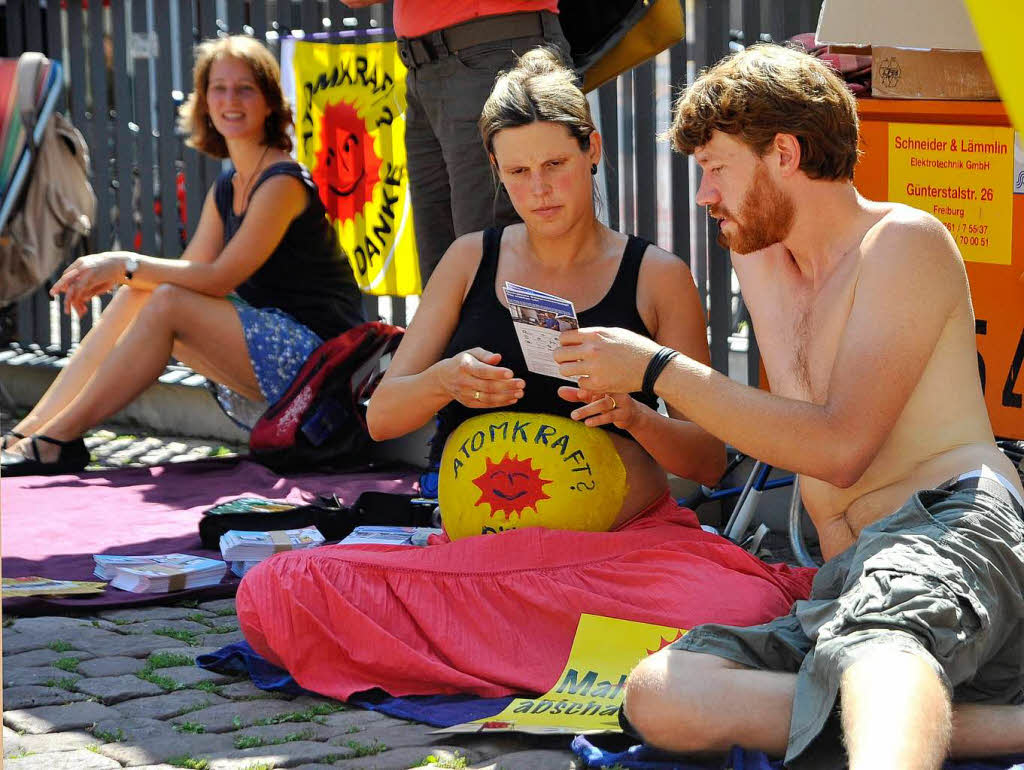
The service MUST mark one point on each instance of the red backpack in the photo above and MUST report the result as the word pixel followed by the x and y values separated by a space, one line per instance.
pixel 320 421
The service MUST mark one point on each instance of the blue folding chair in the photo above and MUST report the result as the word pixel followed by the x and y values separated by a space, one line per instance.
pixel 748 498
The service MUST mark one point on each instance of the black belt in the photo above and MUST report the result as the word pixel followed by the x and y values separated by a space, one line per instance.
pixel 417 51
pixel 985 484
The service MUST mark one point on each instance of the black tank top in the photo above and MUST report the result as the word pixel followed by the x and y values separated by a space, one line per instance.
pixel 484 322
pixel 308 275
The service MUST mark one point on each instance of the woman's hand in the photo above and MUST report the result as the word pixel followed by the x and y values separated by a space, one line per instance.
pixel 88 276
pixel 605 360
pixel 602 408
pixel 474 379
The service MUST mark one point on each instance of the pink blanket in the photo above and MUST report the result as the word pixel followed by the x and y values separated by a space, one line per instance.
pixel 52 525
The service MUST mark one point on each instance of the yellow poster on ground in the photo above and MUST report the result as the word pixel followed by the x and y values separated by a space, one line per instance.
pixel 963 176
pixel 998 28
pixel 588 693
pixel 349 102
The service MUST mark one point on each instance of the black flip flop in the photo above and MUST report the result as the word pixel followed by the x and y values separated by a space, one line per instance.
pixel 73 457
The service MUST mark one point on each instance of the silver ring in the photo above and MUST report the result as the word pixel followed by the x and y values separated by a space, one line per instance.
pixel 614 405
pixel 476 395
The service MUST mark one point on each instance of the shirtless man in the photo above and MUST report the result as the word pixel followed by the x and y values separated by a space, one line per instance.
pixel 864 321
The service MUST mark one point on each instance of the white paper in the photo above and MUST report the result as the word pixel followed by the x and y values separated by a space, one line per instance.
pixel 539 319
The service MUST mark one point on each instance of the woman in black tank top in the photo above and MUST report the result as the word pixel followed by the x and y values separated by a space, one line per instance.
pixel 261 284
pixel 461 357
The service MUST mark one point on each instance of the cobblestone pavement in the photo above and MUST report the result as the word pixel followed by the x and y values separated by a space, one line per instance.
pixel 121 447
pixel 121 689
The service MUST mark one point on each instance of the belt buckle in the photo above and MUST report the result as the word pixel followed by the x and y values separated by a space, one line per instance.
pixel 405 54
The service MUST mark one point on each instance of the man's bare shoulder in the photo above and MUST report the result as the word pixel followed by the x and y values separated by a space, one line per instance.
pixel 909 244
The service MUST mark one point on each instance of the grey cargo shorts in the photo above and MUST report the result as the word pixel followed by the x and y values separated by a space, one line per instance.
pixel 942 577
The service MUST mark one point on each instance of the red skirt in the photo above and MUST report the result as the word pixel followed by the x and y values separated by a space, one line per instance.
pixel 495 614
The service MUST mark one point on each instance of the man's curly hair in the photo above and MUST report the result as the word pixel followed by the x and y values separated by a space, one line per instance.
pixel 766 90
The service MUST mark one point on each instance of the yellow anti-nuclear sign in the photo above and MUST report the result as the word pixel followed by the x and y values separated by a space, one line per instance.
pixel 350 130
pixel 588 693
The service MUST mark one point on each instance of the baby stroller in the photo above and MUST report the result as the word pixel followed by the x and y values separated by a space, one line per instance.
pixel 46 202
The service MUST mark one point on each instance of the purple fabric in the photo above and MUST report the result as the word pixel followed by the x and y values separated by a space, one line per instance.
pixel 52 525
pixel 435 710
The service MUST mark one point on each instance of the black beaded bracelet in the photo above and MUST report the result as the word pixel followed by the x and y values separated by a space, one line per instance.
pixel 655 367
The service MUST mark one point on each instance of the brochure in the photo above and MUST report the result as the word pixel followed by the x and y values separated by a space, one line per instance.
pixel 241 545
pixel 539 318
pixel 39 586
pixel 367 535
pixel 159 573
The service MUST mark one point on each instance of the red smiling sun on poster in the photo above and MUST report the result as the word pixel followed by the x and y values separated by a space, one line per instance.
pixel 347 166
pixel 510 485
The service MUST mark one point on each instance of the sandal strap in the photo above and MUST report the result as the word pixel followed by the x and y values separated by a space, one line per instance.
pixel 49 440
pixel 57 442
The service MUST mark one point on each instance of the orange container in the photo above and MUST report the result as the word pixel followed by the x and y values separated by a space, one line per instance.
pixel 955 160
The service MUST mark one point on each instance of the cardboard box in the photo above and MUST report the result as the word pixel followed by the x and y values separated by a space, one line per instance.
pixel 921 49
pixel 897 23
pixel 909 73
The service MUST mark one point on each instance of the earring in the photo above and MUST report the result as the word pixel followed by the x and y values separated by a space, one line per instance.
pixel 593 169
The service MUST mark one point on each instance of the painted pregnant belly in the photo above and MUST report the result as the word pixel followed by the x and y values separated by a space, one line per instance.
pixel 509 470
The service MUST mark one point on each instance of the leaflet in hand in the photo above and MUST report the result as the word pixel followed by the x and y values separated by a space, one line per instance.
pixel 159 573
pixel 241 545
pixel 539 318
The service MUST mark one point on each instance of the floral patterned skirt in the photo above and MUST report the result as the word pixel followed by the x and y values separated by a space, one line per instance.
pixel 278 346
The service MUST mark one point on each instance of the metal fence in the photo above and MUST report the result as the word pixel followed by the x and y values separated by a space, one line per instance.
pixel 128 64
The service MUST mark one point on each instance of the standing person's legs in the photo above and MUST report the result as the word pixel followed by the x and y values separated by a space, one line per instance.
pixel 477 200
pixel 453 189
pixel 428 175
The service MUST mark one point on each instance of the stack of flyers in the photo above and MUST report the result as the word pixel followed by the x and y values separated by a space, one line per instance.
pixel 39 586
pixel 241 567
pixel 539 319
pixel 389 536
pixel 252 505
pixel 240 545
pixel 159 573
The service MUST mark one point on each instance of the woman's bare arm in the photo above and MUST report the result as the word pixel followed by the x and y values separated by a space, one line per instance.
pixel 419 381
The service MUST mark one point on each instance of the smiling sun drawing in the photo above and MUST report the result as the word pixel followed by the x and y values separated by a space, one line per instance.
pixel 347 165
pixel 510 485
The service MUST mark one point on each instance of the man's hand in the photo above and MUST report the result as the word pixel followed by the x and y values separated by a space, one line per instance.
pixel 361 3
pixel 605 360
pixel 601 409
